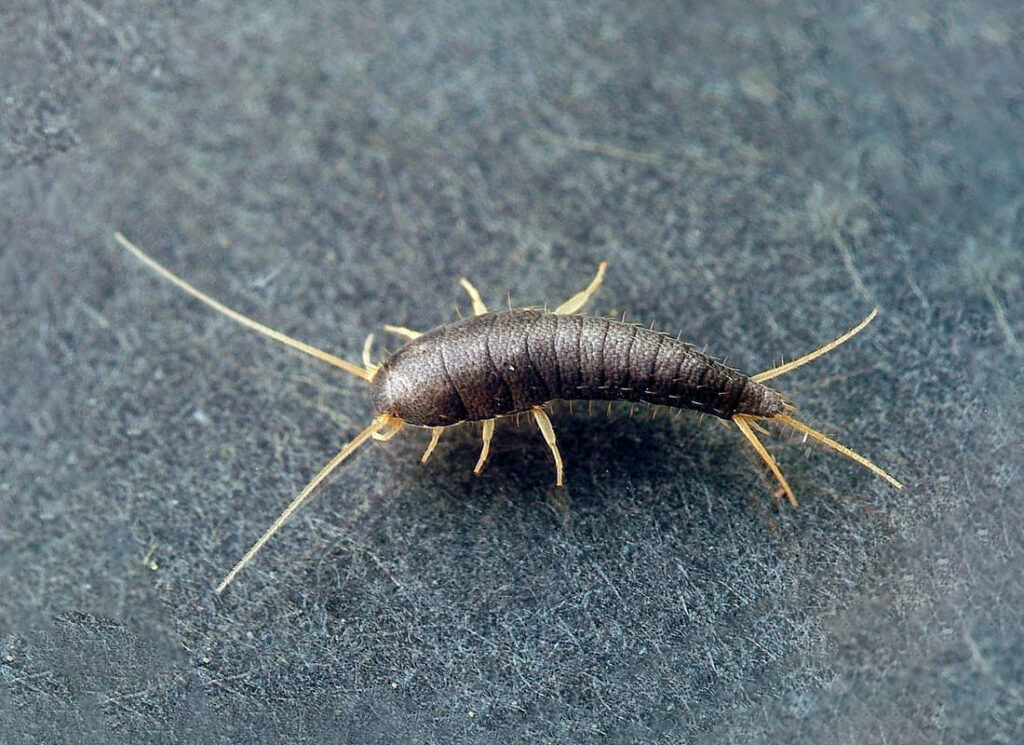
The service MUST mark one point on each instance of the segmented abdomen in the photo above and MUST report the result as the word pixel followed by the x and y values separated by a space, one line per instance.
pixel 506 362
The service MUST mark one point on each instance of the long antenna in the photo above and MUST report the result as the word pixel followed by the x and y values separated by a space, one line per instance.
pixel 375 426
pixel 237 317
pixel 742 423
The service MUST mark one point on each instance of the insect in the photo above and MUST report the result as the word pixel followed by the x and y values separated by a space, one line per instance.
pixel 504 363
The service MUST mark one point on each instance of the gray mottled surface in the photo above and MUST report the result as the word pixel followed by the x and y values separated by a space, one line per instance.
pixel 759 176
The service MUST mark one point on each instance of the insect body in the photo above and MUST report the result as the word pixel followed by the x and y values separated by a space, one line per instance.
pixel 504 363
pixel 497 364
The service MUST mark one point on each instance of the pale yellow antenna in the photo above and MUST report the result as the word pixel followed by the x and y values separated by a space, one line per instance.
pixel 237 317
pixel 375 426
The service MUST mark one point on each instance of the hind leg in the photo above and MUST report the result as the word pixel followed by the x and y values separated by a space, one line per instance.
pixel 744 425
pixel 549 437
pixel 488 433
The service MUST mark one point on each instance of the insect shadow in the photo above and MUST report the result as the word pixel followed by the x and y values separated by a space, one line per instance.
pixel 498 364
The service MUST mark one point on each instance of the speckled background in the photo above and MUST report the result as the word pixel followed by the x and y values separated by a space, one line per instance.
pixel 758 175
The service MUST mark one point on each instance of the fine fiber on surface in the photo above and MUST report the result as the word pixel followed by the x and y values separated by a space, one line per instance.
pixel 758 176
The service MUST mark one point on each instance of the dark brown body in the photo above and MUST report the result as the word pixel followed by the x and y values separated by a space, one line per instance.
pixel 507 362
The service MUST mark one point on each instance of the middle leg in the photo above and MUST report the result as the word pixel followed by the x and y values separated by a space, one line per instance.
pixel 549 437
pixel 488 433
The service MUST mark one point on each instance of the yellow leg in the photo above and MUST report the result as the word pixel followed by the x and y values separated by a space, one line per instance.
pixel 478 305
pixel 402 331
pixel 391 431
pixel 580 299
pixel 549 437
pixel 435 435
pixel 488 433
pixel 743 423
pixel 367 348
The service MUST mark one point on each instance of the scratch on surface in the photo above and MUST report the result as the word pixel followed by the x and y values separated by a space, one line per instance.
pixel 976 656
pixel 592 146
pixel 95 315
pixel 844 251
pixel 98 18
pixel 101 20
pixel 1001 320
pixel 909 275
pixel 979 661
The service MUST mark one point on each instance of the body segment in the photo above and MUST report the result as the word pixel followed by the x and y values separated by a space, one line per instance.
pixel 502 363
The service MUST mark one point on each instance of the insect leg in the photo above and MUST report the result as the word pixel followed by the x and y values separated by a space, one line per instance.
pixel 742 422
pixel 488 433
pixel 376 425
pixel 435 435
pixel 402 331
pixel 478 305
pixel 367 349
pixel 391 431
pixel 578 300
pixel 549 437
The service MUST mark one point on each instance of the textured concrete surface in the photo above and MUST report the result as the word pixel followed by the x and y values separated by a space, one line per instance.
pixel 758 175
